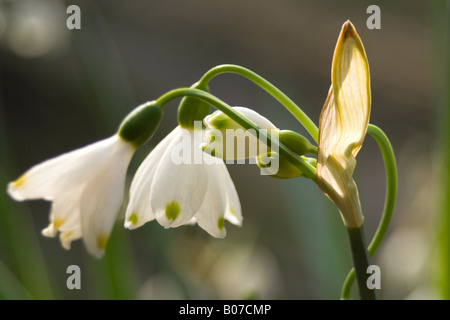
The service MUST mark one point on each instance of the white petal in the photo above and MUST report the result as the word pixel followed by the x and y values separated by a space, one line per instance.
pixel 233 211
pixel 221 202
pixel 49 178
pixel 101 199
pixel 256 118
pixel 250 114
pixel 211 216
pixel 66 237
pixel 191 222
pixel 228 140
pixel 139 210
pixel 65 216
pixel 177 189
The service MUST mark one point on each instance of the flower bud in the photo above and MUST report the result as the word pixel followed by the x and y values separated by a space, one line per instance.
pixel 192 109
pixel 343 125
pixel 140 125
pixel 285 169
pixel 296 142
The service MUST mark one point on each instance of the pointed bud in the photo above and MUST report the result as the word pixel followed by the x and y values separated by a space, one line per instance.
pixel 343 125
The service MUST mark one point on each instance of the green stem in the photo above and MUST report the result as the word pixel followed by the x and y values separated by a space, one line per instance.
pixel 389 203
pixel 308 170
pixel 361 262
pixel 269 88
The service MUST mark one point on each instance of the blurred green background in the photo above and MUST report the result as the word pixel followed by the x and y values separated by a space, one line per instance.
pixel 61 89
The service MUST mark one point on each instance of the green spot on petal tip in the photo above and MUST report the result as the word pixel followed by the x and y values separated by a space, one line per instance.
pixel 133 218
pixel 221 223
pixel 102 240
pixel 172 210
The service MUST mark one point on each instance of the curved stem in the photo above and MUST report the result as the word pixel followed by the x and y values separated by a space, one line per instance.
pixel 389 203
pixel 308 170
pixel 346 287
pixel 269 88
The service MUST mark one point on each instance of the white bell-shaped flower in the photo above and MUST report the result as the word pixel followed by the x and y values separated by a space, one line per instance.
pixel 230 141
pixel 86 189
pixel 178 184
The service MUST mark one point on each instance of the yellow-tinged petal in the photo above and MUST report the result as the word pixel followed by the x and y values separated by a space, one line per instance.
pixel 350 80
pixel 19 182
pixel 343 125
pixel 102 240
pixel 58 222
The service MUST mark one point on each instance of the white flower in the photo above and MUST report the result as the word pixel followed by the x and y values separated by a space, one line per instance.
pixel 86 189
pixel 178 192
pixel 230 141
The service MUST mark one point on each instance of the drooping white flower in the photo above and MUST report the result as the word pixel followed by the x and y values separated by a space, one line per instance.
pixel 230 141
pixel 86 189
pixel 176 187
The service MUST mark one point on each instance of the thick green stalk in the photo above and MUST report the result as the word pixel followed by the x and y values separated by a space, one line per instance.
pixel 390 165
pixel 269 88
pixel 361 262
pixel 308 170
